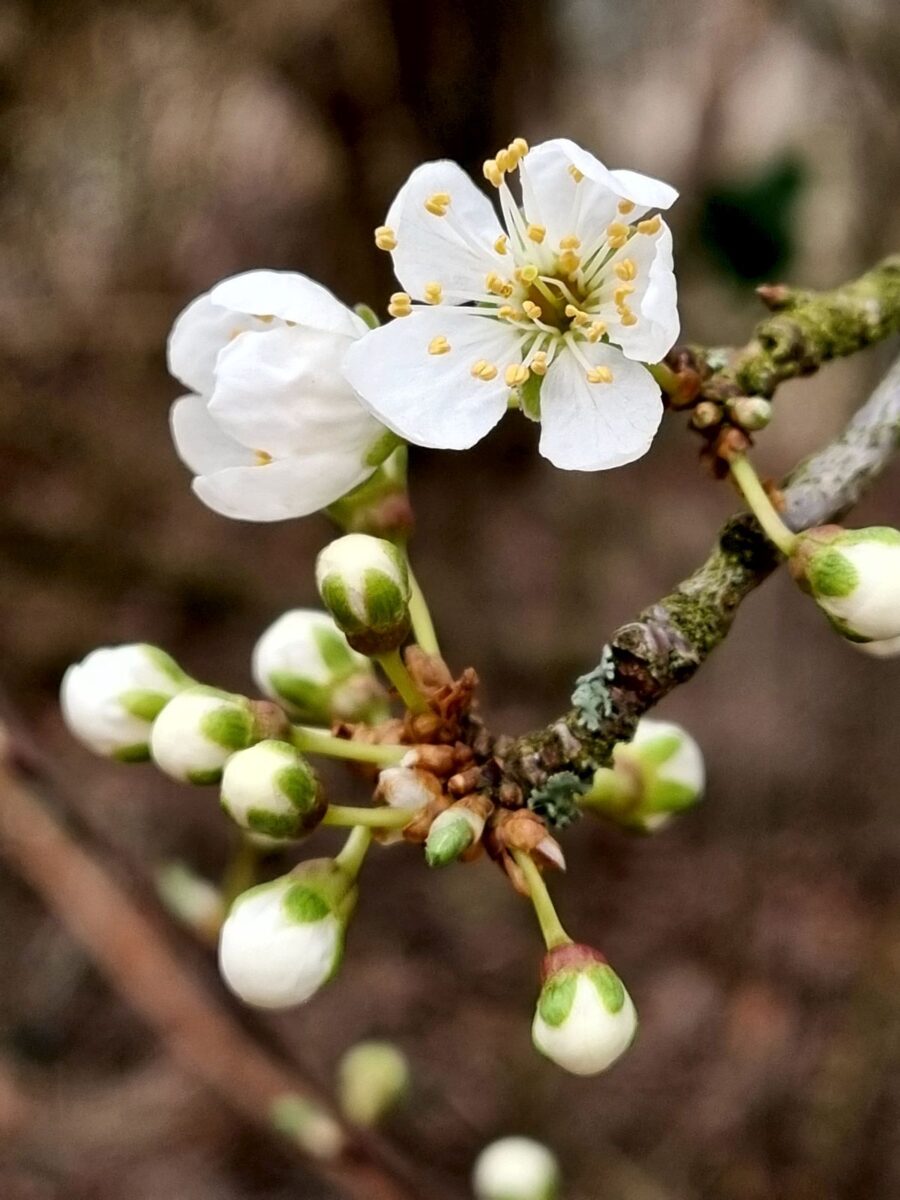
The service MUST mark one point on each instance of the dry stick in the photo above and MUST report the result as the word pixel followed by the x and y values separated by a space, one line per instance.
pixel 195 1028
pixel 668 642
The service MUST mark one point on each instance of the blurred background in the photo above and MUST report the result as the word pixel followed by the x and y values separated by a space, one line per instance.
pixel 147 149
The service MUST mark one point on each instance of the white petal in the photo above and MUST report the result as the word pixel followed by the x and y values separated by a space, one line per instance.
pixel 199 333
pixel 654 300
pixel 201 443
pixel 290 487
pixel 593 426
pixel 283 392
pixel 433 399
pixel 289 296
pixel 456 250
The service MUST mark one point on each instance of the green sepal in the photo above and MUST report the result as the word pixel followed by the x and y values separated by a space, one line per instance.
pixel 530 396
pixel 831 574
pixel 368 314
pixel 310 702
pixel 167 664
pixel 557 997
pixel 334 652
pixel 230 727
pixel 609 986
pixel 144 704
pixel 668 795
pixel 272 824
pixel 305 905
pixel 658 750
pixel 206 777
pixel 337 600
pixel 140 752
pixel 443 846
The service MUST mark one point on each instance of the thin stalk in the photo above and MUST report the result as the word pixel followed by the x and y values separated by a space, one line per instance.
pixel 551 926
pixel 372 818
pixel 317 741
pixel 423 626
pixel 351 857
pixel 665 377
pixel 761 506
pixel 395 668
pixel 241 872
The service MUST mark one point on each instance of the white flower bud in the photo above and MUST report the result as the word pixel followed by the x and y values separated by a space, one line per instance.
pixel 516 1168
pixel 584 1019
pixel 111 698
pixel 405 787
pixel 271 789
pixel 198 731
pixel 372 1079
pixel 854 577
pixel 195 901
pixel 283 940
pixel 306 664
pixel 364 584
pixel 889 648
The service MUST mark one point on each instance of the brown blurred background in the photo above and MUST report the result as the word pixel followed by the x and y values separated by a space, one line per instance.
pixel 148 149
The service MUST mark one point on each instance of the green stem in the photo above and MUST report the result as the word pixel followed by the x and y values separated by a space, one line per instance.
pixel 317 741
pixel 665 377
pixel 240 874
pixel 551 926
pixel 395 668
pixel 353 854
pixel 423 626
pixel 761 506
pixel 372 818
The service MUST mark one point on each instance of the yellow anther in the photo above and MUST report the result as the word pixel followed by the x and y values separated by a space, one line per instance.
pixel 527 274
pixel 500 244
pixel 627 317
pixel 571 242
pixel 600 375
pixel 537 233
pixel 625 207
pixel 596 331
pixel 651 226
pixel 434 293
pixel 439 345
pixel 484 370
pixel 538 364
pixel 400 305
pixel 438 204
pixel 385 238
pixel 621 294
pixel 262 458
pixel 492 172
pixel 518 147
pixel 575 173
pixel 497 284
pixel 516 374
pixel 626 269
pixel 532 310
pixel 576 315
pixel 505 161
pixel 569 262
pixel 617 233
pixel 508 312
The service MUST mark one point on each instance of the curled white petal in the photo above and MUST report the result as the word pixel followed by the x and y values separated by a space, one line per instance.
pixel 275 491
pixel 289 296
pixel 654 300
pixel 202 444
pixel 200 331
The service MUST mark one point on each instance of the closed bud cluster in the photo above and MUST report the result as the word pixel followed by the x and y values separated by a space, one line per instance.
pixel 516 1168
pixel 198 731
pixel 585 1019
pixel 373 1078
pixel 271 789
pixel 112 697
pixel 283 940
pixel 658 773
pixel 306 664
pixel 452 832
pixel 854 577
pixel 364 584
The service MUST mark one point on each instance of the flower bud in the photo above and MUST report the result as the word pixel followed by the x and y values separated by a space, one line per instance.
pixel 271 789
pixel 584 1019
pixel 305 663
pixel 889 648
pixel 405 787
pixel 193 900
pixel 452 832
pixel 111 698
pixel 373 1077
pixel 854 577
pixel 657 774
pixel 196 733
pixel 750 412
pixel 516 1168
pixel 283 940
pixel 364 584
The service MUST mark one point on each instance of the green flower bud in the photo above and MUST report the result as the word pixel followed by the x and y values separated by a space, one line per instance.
pixel 198 731
pixel 452 832
pixel 750 412
pixel 271 789
pixel 854 577
pixel 364 584
pixel 372 1079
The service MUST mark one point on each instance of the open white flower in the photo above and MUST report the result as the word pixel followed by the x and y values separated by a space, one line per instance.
pixel 273 430
pixel 563 307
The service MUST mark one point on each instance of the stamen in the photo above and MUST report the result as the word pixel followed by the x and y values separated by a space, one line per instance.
pixel 262 457
pixel 537 233
pixel 576 315
pixel 651 226
pixel 627 317
pixel 498 285
pixel 600 375
pixel 625 207
pixel 518 147
pixel 492 172
pixel 500 244
pixel 617 234
pixel 438 204
pixel 439 345
pixel 569 262
pixel 626 269
pixel 434 293
pixel 538 364
pixel 482 369
pixel 532 310
pixel 508 313
pixel 621 294
pixel 516 374
pixel 575 173
pixel 400 305
pixel 596 331
pixel 385 238
pixel 570 242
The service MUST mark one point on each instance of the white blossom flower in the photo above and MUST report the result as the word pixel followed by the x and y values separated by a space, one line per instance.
pixel 111 698
pixel 516 1168
pixel 280 942
pixel 562 307
pixel 854 577
pixel 585 1019
pixel 198 731
pixel 272 429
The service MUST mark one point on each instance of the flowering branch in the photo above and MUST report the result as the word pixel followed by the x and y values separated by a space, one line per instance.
pixel 648 657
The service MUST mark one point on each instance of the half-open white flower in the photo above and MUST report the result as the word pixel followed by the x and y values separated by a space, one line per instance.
pixel 854 577
pixel 282 940
pixel 273 429
pixel 516 1168
pixel 111 698
pixel 584 1019
pixel 561 308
